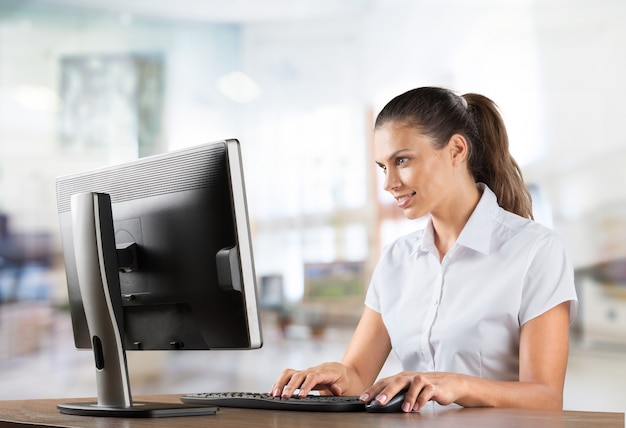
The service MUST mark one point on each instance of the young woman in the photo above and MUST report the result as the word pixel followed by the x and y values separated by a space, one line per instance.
pixel 477 305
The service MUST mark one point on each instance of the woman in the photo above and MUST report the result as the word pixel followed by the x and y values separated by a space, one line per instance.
pixel 477 305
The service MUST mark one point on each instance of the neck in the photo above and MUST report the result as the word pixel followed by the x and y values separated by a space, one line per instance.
pixel 449 221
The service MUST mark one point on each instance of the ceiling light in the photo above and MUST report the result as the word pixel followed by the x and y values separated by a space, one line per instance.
pixel 37 98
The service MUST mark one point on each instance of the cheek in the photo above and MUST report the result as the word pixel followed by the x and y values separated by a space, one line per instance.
pixel 433 174
pixel 428 184
pixel 416 177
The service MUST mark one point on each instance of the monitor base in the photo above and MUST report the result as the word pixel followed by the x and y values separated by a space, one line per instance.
pixel 139 409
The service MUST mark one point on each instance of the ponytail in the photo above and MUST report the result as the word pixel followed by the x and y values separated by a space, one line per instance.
pixel 491 162
pixel 440 113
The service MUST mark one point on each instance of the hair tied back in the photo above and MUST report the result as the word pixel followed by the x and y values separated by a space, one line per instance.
pixel 463 101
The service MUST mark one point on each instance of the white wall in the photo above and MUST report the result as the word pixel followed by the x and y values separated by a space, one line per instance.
pixel 583 61
pixel 34 40
pixel 554 67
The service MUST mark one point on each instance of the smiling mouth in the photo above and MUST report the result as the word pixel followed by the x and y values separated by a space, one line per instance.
pixel 404 199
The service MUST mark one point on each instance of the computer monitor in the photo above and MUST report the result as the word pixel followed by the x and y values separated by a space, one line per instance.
pixel 158 256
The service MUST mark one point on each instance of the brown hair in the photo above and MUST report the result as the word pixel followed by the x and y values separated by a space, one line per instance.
pixel 440 113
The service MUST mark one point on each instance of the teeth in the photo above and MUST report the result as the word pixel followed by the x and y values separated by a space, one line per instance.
pixel 401 199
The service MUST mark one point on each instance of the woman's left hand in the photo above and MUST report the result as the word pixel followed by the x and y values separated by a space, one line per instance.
pixel 444 388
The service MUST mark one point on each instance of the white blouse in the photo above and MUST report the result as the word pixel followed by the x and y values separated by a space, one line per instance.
pixel 464 314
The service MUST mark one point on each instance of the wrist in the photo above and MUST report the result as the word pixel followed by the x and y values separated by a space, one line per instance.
pixel 465 390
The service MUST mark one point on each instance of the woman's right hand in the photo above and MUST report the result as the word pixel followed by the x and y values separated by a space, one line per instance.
pixel 328 378
pixel 367 352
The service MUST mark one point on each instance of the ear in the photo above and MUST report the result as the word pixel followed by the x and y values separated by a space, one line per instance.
pixel 458 149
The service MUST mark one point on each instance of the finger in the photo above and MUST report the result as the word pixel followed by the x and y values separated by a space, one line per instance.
pixel 383 390
pixel 283 379
pixel 425 395
pixel 418 393
pixel 294 383
pixel 399 384
pixel 309 383
pixel 335 389
pixel 370 393
pixel 319 381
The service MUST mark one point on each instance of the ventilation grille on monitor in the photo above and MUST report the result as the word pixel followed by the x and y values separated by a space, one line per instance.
pixel 175 172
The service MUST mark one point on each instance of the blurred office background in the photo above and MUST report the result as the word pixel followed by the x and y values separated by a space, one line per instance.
pixel 89 83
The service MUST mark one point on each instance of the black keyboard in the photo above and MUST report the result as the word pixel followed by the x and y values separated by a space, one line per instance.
pixel 255 400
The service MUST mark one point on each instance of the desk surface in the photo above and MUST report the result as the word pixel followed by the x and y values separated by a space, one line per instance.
pixel 44 412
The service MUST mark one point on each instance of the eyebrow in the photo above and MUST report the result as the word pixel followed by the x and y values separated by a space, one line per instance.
pixel 393 156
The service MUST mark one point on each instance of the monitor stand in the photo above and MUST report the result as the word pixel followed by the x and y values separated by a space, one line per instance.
pixel 98 277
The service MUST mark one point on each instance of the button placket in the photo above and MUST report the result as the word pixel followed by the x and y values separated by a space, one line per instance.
pixel 431 317
pixel 434 310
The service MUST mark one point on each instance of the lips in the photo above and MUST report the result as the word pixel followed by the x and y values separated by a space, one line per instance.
pixel 404 200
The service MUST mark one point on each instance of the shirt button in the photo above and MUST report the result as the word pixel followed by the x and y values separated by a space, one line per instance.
pixel 431 367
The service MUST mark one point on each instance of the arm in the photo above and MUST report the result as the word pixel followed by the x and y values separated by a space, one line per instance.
pixel 544 344
pixel 368 349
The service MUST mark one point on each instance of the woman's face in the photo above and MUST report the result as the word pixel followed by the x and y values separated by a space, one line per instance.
pixel 416 174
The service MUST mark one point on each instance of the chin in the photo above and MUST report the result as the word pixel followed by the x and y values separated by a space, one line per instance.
pixel 415 210
pixel 412 215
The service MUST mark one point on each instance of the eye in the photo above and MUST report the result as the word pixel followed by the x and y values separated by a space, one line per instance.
pixel 401 161
pixel 381 166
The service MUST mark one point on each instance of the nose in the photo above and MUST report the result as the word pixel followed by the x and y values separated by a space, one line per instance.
pixel 392 180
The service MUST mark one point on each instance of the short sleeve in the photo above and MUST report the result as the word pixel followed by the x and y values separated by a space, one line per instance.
pixel 549 280
pixel 372 297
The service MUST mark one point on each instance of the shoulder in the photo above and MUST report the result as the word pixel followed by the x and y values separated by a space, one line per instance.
pixel 403 247
pixel 538 250
pixel 511 226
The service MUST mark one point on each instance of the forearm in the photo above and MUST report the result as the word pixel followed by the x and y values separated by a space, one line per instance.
pixel 366 353
pixel 478 392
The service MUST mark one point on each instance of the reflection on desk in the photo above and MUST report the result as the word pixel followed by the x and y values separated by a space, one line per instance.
pixel 45 413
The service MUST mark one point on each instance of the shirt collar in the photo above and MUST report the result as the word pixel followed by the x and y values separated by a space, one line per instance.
pixel 479 227
pixel 476 233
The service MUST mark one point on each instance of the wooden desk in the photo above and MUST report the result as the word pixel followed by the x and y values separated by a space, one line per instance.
pixel 44 412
